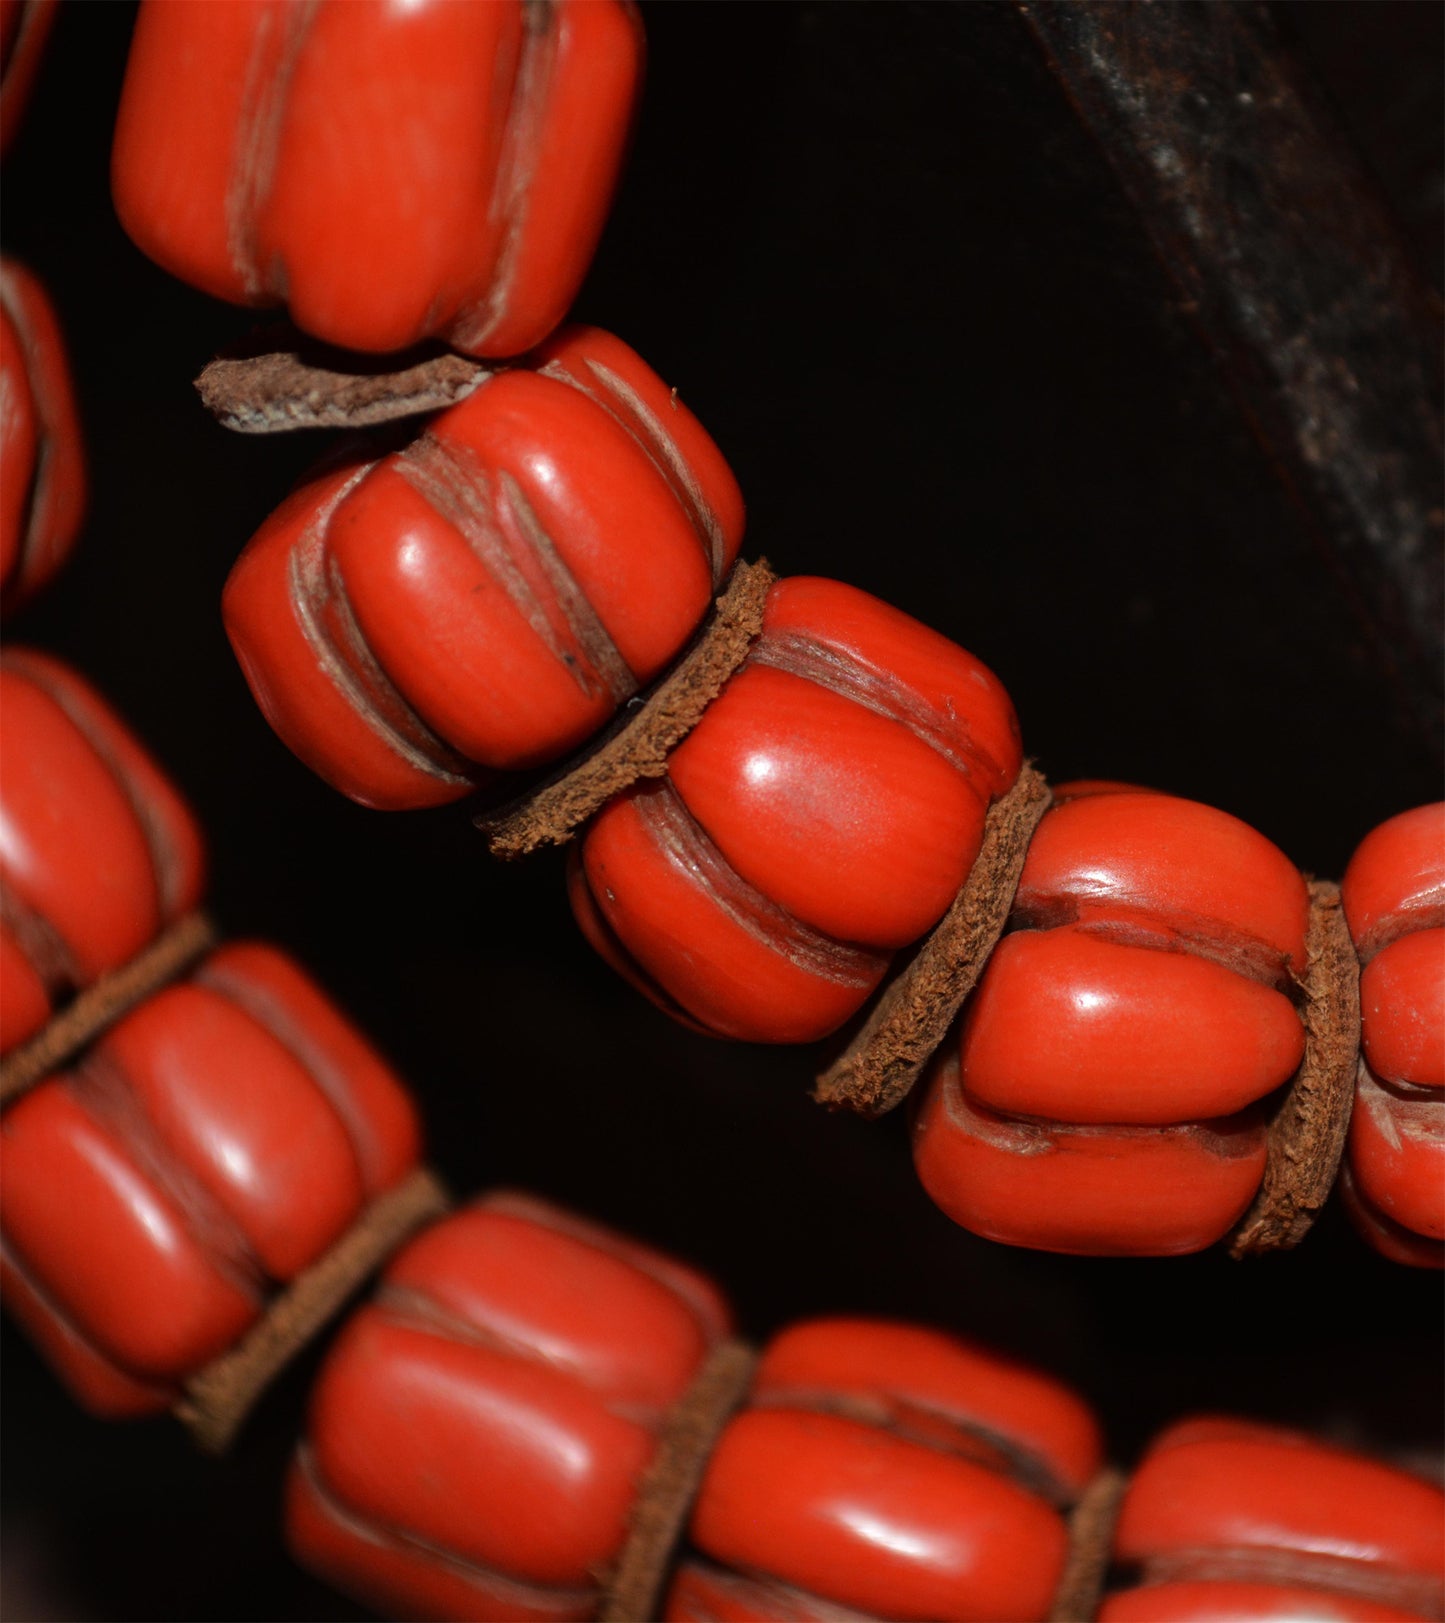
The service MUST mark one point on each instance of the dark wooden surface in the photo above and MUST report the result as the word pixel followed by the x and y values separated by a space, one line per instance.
pixel 1286 258
pixel 874 249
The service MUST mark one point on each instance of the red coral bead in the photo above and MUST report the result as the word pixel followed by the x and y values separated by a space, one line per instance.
pixel 1083 1190
pixel 823 812
pixel 42 464
pixel 489 595
pixel 1221 1501
pixel 390 172
pixel 217 1141
pixel 98 852
pixel 894 1471
pixel 477 1434
pixel 1143 987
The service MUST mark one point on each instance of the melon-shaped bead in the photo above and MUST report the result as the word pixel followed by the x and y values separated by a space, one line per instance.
pixel 824 811
pixel 1105 1096
pixel 216 1142
pixel 888 1471
pixel 478 1432
pixel 42 462
pixel 1226 1502
pixel 390 173
pixel 98 852
pixel 484 599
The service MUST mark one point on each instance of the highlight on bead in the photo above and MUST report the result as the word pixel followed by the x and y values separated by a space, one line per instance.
pixel 822 813
pixel 1105 1093
pixel 1394 898
pixel 42 463
pixel 390 173
pixel 484 599
pixel 215 1144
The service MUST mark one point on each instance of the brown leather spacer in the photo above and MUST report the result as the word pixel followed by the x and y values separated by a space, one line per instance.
pixel 638 744
pixel 671 1481
pixel 915 1010
pixel 302 384
pixel 217 1400
pixel 101 1004
pixel 1307 1134
pixel 1091 1541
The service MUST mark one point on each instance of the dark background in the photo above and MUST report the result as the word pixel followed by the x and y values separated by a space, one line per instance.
pixel 886 268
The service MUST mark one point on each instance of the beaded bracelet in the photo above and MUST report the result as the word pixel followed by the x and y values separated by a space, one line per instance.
pixel 533 1411
pixel 476 601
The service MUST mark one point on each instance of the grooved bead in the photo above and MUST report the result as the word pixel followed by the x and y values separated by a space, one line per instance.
pixel 1394 899
pixel 215 1143
pixel 478 1432
pixel 42 463
pixel 1215 1498
pixel 485 598
pixel 391 173
pixel 98 852
pixel 891 1471
pixel 1105 1096
pixel 824 812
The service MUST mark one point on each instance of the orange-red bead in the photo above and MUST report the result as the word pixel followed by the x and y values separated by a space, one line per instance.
pixel 212 1145
pixel 893 1471
pixel 1105 1095
pixel 1394 896
pixel 484 599
pixel 823 813
pixel 477 1433
pixel 98 852
pixel 42 464
pixel 390 172
pixel 1257 1513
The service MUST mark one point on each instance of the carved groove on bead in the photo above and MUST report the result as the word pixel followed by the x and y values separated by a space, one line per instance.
pixel 638 744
